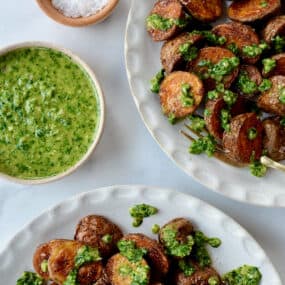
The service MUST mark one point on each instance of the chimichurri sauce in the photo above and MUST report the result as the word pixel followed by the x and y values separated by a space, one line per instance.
pixel 48 112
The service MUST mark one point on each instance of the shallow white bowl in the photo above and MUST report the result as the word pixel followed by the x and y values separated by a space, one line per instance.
pixel 100 101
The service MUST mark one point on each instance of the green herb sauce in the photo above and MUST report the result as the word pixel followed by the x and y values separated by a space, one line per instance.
pixel 282 95
pixel 225 119
pixel 129 250
pixel 252 133
pixel 155 229
pixel 186 267
pixel 188 51
pixel 157 22
pixel 107 239
pixel 278 43
pixel 141 211
pixel 156 81
pixel 197 123
pixel 30 278
pixel 48 113
pixel 254 50
pixel 187 98
pixel 205 144
pixel 268 64
pixel 138 273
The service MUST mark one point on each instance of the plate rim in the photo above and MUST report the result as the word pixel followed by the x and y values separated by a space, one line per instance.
pixel 139 188
pixel 272 203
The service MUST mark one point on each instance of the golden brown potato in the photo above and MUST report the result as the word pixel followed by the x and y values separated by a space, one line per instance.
pixel 204 10
pixel 170 56
pixel 118 268
pixel 252 10
pixel 89 274
pixel 274 27
pixel 91 230
pixel 214 55
pixel 171 93
pixel 155 256
pixel 238 143
pixel 167 9
pixel 239 34
pixel 199 277
pixel 269 100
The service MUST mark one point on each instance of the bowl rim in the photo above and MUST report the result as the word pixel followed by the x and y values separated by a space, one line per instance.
pixel 101 105
pixel 47 7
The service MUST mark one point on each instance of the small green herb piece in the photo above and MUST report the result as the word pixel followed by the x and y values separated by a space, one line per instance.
pixel 207 112
pixel 138 274
pixel 213 94
pixel 279 43
pixel 252 133
pixel 155 229
pixel 128 249
pixel 257 168
pixel 107 238
pixel 86 254
pixel 205 144
pixel 282 122
pixel 254 50
pixel 225 119
pixel 156 81
pixel 187 98
pixel 268 64
pixel 173 246
pixel 137 222
pixel 214 280
pixel 265 85
pixel 243 275
pixel 71 278
pixel 30 278
pixel 188 51
pixel 263 4
pixel 172 119
pixel 211 37
pixel 186 267
pixel 245 85
pixel 230 97
pixel 233 48
pixel 44 266
pixel 142 211
pixel 201 238
pixel 205 62
pixel 282 95
pixel 197 123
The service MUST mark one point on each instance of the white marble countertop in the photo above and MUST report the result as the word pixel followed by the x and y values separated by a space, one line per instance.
pixel 127 154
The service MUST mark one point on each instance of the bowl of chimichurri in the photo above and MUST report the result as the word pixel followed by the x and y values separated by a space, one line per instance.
pixel 51 112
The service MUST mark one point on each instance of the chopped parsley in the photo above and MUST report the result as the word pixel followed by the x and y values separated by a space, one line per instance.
pixel 245 84
pixel 186 98
pixel 141 211
pixel 213 280
pixel 268 65
pixel 30 278
pixel 213 94
pixel 157 22
pixel 211 37
pixel 225 119
pixel 254 50
pixel 207 112
pixel 107 238
pixel 252 133
pixel 186 267
pixel 230 97
pixel 265 85
pixel 86 254
pixel 282 95
pixel 257 168
pixel 188 51
pixel 172 119
pixel 155 229
pixel 197 123
pixel 233 48
pixel 205 144
pixel 44 266
pixel 71 278
pixel 129 250
pixel 139 274
pixel 244 275
pixel 279 43
pixel 156 81
pixel 172 245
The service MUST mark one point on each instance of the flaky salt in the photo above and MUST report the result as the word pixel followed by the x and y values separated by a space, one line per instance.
pixel 79 8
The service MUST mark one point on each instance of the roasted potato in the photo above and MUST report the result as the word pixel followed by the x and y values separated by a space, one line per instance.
pixel 91 230
pixel 274 27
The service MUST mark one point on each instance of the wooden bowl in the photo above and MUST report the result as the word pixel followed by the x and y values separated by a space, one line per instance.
pixel 56 15
pixel 101 105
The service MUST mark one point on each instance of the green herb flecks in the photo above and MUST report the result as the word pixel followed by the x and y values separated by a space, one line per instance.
pixel 156 81
pixel 197 123
pixel 141 211
pixel 225 119
pixel 186 267
pixel 157 22
pixel 263 4
pixel 155 229
pixel 173 246
pixel 265 85
pixel 257 168
pixel 245 84
pixel 211 37
pixel 139 273
pixel 282 95
pixel 86 254
pixel 233 48
pixel 30 278
pixel 252 133
pixel 214 280
pixel 213 94
pixel 128 249
pixel 244 275
pixel 107 238
pixel 282 122
pixel 188 51
pixel 268 64
pixel 172 119
pixel 278 43
pixel 254 50
pixel 205 144
pixel 44 266
pixel 187 98
pixel 71 278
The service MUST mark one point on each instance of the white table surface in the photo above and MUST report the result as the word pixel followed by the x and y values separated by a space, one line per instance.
pixel 126 154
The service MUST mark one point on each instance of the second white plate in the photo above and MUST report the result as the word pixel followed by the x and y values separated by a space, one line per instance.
pixel 142 62
pixel 237 248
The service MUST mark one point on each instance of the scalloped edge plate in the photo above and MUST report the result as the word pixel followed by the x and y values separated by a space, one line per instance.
pixel 238 246
pixel 142 62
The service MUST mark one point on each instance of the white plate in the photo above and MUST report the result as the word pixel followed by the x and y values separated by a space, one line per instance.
pixel 238 246
pixel 142 62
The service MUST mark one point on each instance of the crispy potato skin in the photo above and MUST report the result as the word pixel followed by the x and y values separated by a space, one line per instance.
pixel 213 54
pixel 275 26
pixel 236 142
pixel 183 227
pixel 204 10
pixel 170 93
pixel 280 65
pixel 156 256
pixel 274 138
pixel 170 9
pixel 240 34
pixel 92 228
pixel 113 266
pixel 213 120
pixel 269 100
pixel 170 56
pixel 42 253
pixel 251 10
pixel 90 273
pixel 199 277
